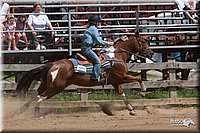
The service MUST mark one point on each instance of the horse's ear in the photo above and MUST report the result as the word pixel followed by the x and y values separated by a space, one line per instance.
pixel 137 34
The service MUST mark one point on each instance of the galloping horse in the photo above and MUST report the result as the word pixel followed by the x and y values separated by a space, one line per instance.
pixel 64 75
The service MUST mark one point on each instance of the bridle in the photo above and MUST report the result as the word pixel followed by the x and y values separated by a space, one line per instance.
pixel 124 38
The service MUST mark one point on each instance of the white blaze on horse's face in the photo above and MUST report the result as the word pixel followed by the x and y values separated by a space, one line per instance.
pixel 54 74
pixel 110 51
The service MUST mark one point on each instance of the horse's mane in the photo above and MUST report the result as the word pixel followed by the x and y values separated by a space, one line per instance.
pixel 127 37
pixel 120 39
pixel 123 38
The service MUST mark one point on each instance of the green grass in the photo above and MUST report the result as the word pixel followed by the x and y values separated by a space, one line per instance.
pixel 188 93
pixel 103 95
pixel 66 96
pixel 130 94
pixel 7 74
pixel 157 94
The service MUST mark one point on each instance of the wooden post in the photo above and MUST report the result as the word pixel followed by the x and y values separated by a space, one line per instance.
pixel 164 71
pixel 84 94
pixel 172 77
pixel 37 110
pixel 17 74
pixel 184 72
pixel 143 72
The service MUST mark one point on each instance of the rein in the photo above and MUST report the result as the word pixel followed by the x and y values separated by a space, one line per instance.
pixel 140 56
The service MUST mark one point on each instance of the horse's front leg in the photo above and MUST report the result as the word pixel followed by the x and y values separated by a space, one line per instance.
pixel 120 91
pixel 129 79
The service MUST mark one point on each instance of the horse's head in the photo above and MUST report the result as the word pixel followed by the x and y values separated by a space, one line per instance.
pixel 142 46
pixel 134 44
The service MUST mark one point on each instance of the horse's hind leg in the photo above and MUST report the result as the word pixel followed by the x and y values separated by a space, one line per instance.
pixel 33 98
pixel 23 108
pixel 41 90
pixel 48 93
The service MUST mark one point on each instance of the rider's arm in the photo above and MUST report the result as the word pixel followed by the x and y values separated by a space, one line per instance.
pixel 96 36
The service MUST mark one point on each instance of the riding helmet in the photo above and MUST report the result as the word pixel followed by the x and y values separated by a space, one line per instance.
pixel 94 18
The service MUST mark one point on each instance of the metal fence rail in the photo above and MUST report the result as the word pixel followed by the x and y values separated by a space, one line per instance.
pixel 154 22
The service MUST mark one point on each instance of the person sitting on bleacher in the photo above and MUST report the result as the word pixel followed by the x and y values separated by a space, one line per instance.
pixel 10 26
pixel 38 20
pixel 5 11
pixel 188 5
pixel 21 25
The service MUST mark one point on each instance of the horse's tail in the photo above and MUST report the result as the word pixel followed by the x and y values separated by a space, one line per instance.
pixel 38 74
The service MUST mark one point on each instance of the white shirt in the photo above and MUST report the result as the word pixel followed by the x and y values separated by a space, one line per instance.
pixel 10 26
pixel 38 21
pixel 182 3
pixel 4 10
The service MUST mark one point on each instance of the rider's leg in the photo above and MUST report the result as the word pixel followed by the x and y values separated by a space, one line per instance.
pixel 97 65
pixel 96 62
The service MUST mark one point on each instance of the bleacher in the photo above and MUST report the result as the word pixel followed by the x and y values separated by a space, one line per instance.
pixel 158 22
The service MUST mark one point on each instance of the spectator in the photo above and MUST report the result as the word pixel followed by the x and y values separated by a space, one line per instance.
pixel 10 26
pixel 39 21
pixel 3 34
pixel 187 5
pixel 21 25
pixel 5 10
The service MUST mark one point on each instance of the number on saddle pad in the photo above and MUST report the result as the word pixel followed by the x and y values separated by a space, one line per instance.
pixel 81 68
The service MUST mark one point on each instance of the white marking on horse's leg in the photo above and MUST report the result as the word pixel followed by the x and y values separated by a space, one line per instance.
pixel 54 74
pixel 128 105
pixel 143 86
pixel 123 95
pixel 41 98
pixel 143 89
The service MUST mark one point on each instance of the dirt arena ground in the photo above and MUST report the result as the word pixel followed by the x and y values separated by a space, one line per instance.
pixel 155 119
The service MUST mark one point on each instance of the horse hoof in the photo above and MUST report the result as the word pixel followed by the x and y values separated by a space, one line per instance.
pixel 132 112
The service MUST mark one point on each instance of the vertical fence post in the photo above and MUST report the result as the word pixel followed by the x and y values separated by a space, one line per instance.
pixel 172 77
pixel 18 74
pixel 137 18
pixel 84 94
pixel 70 32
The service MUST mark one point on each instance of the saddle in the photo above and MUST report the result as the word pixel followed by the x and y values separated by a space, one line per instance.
pixel 81 59
pixel 83 65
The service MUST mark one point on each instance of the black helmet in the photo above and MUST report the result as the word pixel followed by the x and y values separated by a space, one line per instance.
pixel 94 18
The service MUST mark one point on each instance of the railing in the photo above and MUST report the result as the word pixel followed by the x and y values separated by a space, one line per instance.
pixel 161 26
pixel 162 31
pixel 172 84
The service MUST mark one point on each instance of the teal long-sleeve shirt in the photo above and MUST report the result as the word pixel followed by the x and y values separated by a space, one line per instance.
pixel 91 37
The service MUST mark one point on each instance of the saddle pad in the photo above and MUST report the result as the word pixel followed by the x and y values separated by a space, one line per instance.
pixel 84 69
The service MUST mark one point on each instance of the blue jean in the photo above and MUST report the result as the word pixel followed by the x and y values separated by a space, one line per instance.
pixel 87 51
pixel 47 37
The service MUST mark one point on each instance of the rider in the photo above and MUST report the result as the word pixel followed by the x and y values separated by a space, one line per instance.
pixel 91 37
